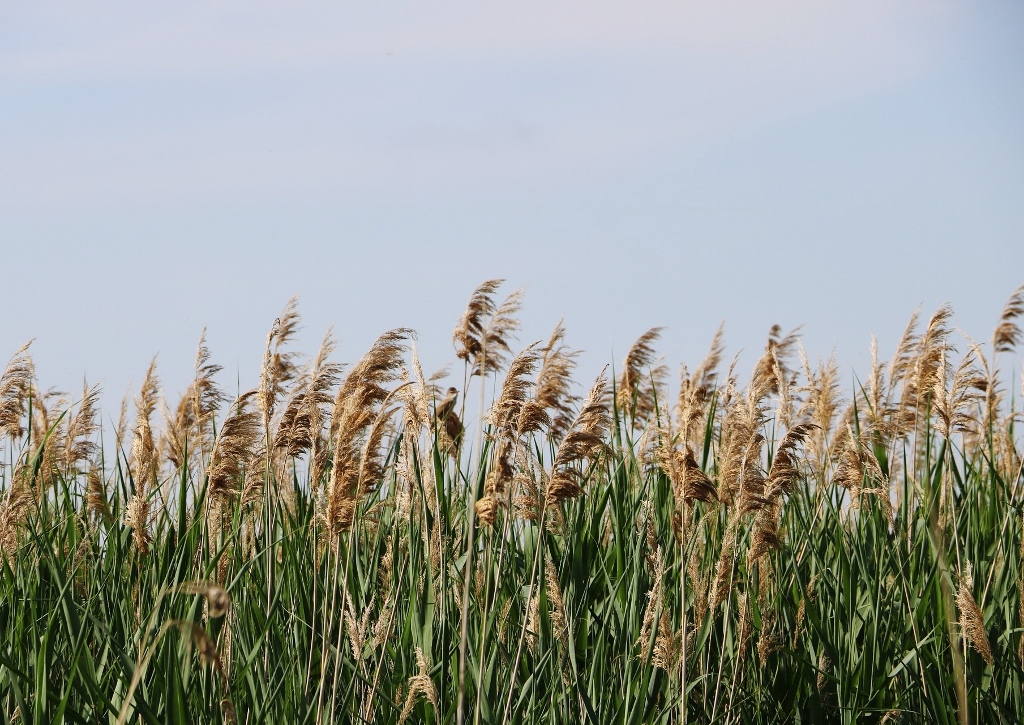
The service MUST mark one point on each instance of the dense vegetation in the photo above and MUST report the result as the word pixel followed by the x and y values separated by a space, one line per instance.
pixel 337 546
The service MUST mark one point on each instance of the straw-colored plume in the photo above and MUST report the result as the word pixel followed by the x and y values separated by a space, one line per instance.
pixel 640 385
pixel 189 431
pixel 766 504
pixel 821 407
pixel 233 448
pixel 972 620
pixel 556 607
pixel 554 383
pixel 484 331
pixel 1007 334
pixel 515 412
pixel 143 460
pixel 583 443
pixel 306 412
pixel 15 384
pixel 358 425
pixel 689 482
pixel 420 685
pixel 931 357
pixel 954 404
pixel 79 446
pixel 696 392
pixel 279 366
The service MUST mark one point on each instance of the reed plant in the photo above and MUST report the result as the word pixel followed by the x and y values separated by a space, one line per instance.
pixel 357 544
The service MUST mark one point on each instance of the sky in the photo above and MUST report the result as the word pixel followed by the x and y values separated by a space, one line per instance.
pixel 173 166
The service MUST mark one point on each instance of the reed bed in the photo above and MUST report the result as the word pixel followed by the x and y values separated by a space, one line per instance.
pixel 357 544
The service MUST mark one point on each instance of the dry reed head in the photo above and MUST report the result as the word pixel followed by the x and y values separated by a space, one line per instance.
pixel 206 395
pixel 420 685
pixel 696 391
pixel 954 405
pixel 972 620
pixel 279 367
pixel 584 442
pixel 79 446
pixel 822 405
pixel 689 482
pixel 515 413
pixel 640 385
pixel 556 607
pixel 358 426
pixel 304 415
pixel 554 383
pixel 921 369
pixel 233 448
pixel 143 460
pixel 484 331
pixel 739 459
pixel 1007 334
pixel 15 385
pixel 188 431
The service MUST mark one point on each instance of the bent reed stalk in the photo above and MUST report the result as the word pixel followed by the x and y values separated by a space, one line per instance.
pixel 334 546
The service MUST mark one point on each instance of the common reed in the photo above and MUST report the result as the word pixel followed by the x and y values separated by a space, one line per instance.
pixel 350 544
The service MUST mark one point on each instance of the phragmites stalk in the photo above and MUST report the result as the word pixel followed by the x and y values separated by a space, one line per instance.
pixel 954 404
pixel 358 426
pixel 515 412
pixel 189 432
pixel 640 385
pixel 302 422
pixel 279 367
pixel 233 448
pixel 929 365
pixel 79 446
pixel 1007 334
pixel 583 443
pixel 420 685
pixel 972 620
pixel 689 482
pixel 484 331
pixel 143 460
pixel 554 383
pixel 15 385
pixel 767 505
pixel 696 392
pixel 822 405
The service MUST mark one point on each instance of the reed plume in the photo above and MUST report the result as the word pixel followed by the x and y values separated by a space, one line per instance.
pixel 420 685
pixel 15 385
pixel 972 620
pixel 189 432
pixel 79 446
pixel 279 366
pixel 357 426
pixel 823 403
pixel 554 383
pixel 696 392
pixel 583 443
pixel 233 448
pixel 484 331
pixel 640 385
pixel 689 482
pixel 143 460
pixel 1007 334
pixel 301 426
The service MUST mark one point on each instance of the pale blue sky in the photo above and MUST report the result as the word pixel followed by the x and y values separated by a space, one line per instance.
pixel 167 166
